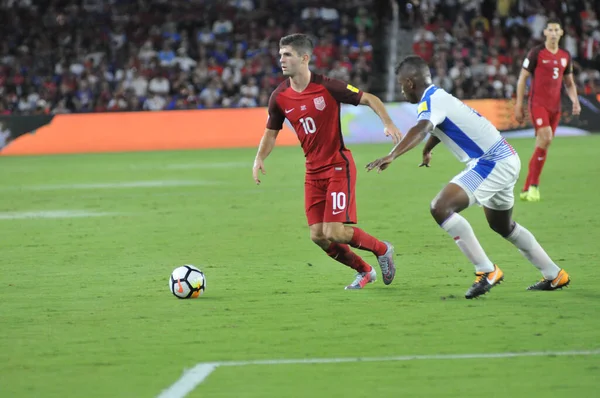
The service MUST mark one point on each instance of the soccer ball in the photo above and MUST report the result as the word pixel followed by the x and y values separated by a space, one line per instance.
pixel 187 282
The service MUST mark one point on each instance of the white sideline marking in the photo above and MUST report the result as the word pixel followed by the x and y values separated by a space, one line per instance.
pixel 193 377
pixel 129 184
pixel 192 166
pixel 20 215
pixel 189 381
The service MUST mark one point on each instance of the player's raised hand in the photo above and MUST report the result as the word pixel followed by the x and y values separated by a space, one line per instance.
pixel 576 108
pixel 426 159
pixel 519 115
pixel 392 131
pixel 380 164
pixel 258 165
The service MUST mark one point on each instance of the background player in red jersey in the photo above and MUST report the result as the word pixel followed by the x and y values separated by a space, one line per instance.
pixel 311 103
pixel 547 64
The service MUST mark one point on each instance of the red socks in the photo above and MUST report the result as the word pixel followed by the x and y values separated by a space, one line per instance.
pixel 536 164
pixel 364 241
pixel 343 254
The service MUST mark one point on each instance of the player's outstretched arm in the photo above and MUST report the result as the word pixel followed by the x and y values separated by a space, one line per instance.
pixel 390 129
pixel 521 84
pixel 572 93
pixel 431 143
pixel 267 143
pixel 413 138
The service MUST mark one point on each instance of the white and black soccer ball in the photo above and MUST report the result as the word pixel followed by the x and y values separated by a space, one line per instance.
pixel 187 282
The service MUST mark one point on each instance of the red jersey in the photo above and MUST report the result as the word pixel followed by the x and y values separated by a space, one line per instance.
pixel 315 116
pixel 547 71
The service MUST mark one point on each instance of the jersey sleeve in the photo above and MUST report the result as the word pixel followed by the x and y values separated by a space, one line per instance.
pixel 427 111
pixel 530 61
pixel 276 116
pixel 569 67
pixel 342 92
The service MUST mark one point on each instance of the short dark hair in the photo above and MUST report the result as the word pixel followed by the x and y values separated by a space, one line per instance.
pixel 300 42
pixel 553 20
pixel 415 62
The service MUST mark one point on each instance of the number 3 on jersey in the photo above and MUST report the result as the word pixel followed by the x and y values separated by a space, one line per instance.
pixel 308 125
pixel 555 73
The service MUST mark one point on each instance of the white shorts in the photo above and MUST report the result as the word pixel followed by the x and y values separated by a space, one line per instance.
pixel 490 184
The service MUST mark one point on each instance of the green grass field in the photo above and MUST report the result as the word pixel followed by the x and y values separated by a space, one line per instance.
pixel 85 309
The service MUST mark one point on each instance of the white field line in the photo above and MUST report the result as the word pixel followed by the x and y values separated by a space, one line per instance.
pixel 191 378
pixel 112 185
pixel 23 215
pixel 194 166
pixel 189 381
pixel 147 166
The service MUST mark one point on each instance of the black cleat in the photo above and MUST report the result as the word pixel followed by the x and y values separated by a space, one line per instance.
pixel 561 280
pixel 484 282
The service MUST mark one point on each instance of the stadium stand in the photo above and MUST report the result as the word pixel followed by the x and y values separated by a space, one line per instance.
pixel 129 55
pixel 65 56
pixel 476 48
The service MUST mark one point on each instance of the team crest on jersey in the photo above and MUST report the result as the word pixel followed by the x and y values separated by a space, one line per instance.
pixel 319 103
pixel 563 62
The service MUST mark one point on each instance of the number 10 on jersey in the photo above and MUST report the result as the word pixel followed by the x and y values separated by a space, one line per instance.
pixel 308 124
pixel 338 201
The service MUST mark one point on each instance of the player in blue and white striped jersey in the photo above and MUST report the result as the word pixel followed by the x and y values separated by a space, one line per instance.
pixel 492 170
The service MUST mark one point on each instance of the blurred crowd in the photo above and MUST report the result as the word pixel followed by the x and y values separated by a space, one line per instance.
pixel 63 56
pixel 476 47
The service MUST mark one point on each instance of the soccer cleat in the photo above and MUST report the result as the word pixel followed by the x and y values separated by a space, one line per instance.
pixel 533 194
pixel 561 280
pixel 484 282
pixel 386 262
pixel 362 278
pixel 525 195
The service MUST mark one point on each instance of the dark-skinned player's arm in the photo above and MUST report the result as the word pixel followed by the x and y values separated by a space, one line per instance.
pixel 413 138
pixel 429 145
pixel 267 143
pixel 571 88
pixel 378 107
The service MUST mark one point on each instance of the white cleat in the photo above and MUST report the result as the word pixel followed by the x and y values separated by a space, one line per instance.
pixel 386 262
pixel 362 278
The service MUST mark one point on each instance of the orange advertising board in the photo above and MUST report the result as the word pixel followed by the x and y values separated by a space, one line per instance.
pixel 216 128
pixel 147 131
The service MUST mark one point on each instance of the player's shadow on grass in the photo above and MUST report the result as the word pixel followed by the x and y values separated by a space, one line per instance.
pixel 209 298
pixel 586 294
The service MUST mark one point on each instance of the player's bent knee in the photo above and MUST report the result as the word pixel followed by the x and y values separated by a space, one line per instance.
pixel 503 229
pixel 317 234
pixel 544 138
pixel 333 232
pixel 318 238
pixel 440 211
pixel 544 143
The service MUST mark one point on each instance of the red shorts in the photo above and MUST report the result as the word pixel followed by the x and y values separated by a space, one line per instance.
pixel 331 199
pixel 541 117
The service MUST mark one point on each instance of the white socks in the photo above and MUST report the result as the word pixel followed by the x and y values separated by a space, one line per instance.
pixel 460 229
pixel 531 249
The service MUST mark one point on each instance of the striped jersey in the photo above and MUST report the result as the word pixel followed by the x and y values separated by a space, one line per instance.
pixel 466 133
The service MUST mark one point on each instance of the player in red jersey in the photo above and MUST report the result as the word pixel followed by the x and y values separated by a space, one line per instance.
pixel 311 103
pixel 548 65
